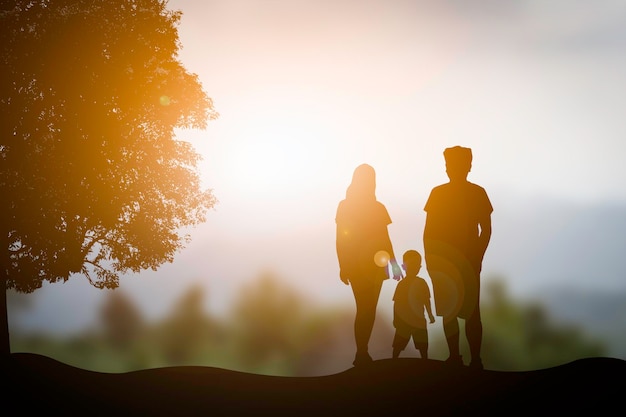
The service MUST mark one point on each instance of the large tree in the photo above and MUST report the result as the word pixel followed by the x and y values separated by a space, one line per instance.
pixel 93 180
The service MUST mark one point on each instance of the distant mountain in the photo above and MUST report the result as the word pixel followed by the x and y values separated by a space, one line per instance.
pixel 542 241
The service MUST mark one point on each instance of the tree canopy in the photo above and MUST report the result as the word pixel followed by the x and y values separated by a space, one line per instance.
pixel 92 176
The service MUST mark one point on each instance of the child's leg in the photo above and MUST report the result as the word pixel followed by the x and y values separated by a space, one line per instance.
pixel 399 343
pixel 420 339
pixel 423 349
pixel 396 352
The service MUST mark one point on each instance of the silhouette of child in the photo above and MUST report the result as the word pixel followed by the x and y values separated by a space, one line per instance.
pixel 411 297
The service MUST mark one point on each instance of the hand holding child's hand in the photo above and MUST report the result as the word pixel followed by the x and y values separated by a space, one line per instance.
pixel 396 270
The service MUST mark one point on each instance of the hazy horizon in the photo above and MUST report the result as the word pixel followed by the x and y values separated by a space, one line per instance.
pixel 559 257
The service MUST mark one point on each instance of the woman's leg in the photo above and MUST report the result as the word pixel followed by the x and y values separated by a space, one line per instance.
pixel 366 303
pixel 451 331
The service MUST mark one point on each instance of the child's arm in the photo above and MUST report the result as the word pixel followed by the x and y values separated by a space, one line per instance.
pixel 428 304
pixel 430 312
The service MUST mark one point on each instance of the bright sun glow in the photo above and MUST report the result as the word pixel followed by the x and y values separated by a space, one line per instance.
pixel 280 149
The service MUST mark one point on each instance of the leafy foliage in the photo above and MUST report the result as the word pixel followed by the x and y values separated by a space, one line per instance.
pixel 92 177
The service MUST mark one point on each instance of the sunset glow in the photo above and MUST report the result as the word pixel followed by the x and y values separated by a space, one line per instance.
pixel 308 90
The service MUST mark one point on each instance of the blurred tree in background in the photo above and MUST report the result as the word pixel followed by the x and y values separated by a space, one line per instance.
pixel 523 336
pixel 187 334
pixel 268 325
pixel 122 322
pixel 273 330
pixel 92 178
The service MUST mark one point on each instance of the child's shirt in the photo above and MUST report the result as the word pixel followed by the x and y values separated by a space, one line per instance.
pixel 410 299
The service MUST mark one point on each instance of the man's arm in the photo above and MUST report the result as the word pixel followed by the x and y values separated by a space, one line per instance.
pixel 485 234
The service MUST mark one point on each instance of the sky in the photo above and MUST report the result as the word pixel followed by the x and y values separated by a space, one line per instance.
pixel 308 90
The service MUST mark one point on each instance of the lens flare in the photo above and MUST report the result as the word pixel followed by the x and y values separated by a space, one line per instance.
pixel 381 258
pixel 164 100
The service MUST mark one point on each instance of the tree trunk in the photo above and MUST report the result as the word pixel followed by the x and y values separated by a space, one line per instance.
pixel 5 349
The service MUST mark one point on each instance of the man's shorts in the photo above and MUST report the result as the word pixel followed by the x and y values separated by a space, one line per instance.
pixel 456 283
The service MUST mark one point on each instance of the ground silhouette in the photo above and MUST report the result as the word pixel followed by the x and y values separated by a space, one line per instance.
pixel 412 386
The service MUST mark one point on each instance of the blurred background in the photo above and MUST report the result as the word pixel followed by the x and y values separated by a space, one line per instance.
pixel 307 91
pixel 272 329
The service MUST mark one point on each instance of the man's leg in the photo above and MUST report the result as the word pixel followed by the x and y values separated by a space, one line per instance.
pixel 473 323
pixel 447 294
pixel 474 334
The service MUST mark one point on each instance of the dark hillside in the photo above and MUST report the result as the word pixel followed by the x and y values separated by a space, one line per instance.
pixel 418 387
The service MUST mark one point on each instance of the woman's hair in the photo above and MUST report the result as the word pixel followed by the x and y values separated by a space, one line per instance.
pixel 363 185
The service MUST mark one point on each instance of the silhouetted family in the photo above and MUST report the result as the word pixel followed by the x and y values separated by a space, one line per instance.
pixel 456 236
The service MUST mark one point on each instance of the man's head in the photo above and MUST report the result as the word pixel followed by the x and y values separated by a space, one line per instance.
pixel 412 262
pixel 458 162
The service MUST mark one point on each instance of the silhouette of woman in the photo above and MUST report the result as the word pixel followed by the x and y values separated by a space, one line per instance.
pixel 364 251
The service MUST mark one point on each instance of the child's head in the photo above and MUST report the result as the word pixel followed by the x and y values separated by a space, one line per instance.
pixel 412 262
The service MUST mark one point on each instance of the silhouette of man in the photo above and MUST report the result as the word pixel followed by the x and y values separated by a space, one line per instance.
pixel 456 236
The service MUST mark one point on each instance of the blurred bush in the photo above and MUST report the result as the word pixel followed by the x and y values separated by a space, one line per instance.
pixel 522 336
pixel 273 330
